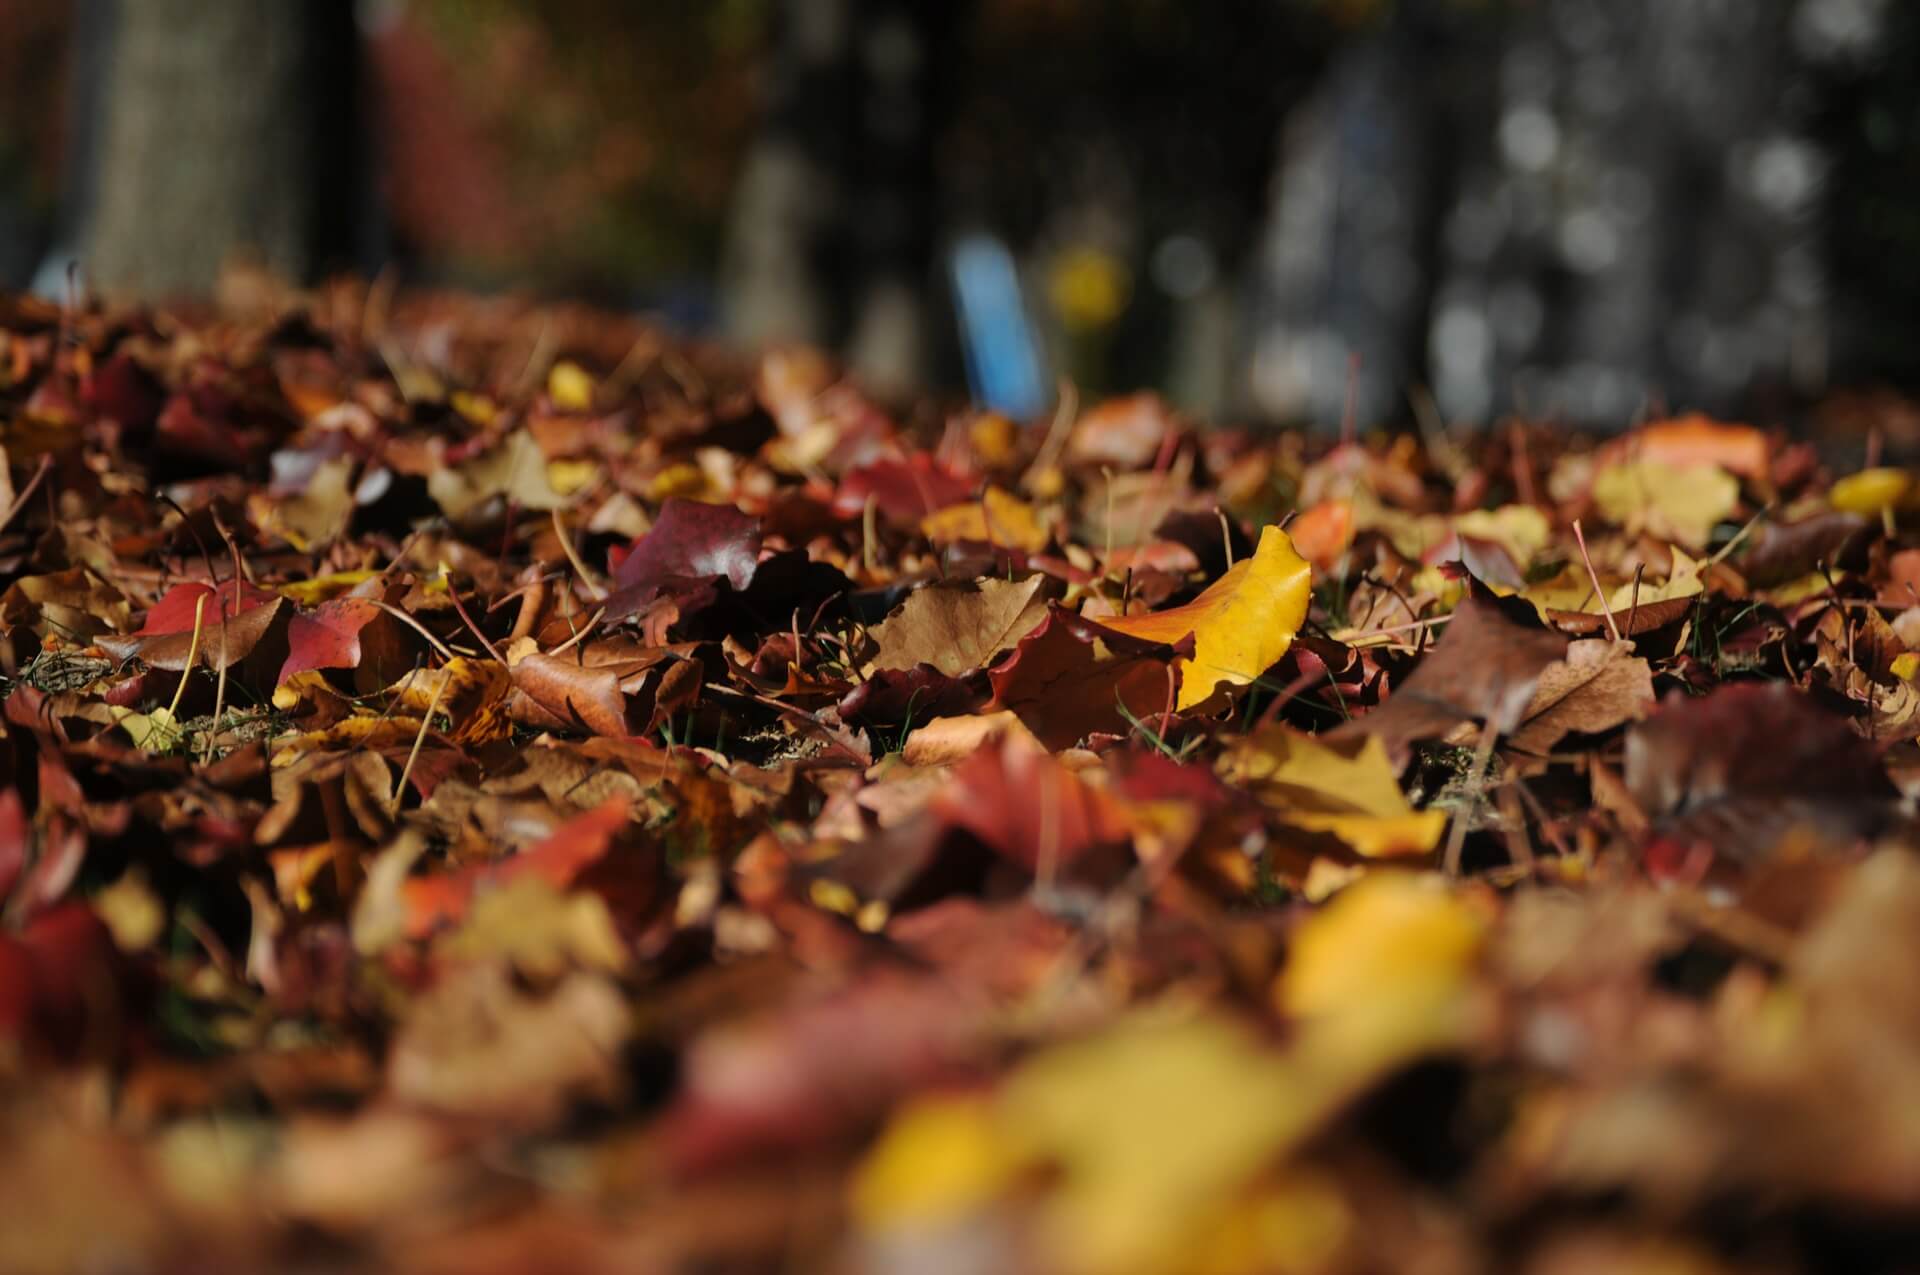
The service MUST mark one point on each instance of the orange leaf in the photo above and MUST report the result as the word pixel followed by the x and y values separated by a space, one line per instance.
pixel 1698 439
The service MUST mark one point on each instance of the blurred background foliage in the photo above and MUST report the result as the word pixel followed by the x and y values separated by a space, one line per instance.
pixel 1581 207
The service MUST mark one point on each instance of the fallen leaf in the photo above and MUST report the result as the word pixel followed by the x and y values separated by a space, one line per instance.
pixel 690 544
pixel 1484 667
pixel 1068 679
pixel 585 697
pixel 1679 504
pixel 955 628
pixel 1597 687
pixel 514 470
pixel 1346 788
pixel 997 518
pixel 902 491
pixel 1240 625
pixel 1694 440
pixel 233 620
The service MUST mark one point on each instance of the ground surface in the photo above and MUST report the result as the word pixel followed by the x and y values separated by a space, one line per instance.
pixel 491 790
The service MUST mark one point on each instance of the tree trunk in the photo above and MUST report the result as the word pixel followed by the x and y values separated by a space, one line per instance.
pixel 226 134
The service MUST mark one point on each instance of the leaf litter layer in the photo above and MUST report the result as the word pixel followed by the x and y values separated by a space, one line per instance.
pixel 492 789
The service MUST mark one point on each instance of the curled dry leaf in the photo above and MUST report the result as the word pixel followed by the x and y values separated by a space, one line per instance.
pixel 574 696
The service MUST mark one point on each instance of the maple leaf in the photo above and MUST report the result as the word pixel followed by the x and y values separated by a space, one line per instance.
pixel 955 628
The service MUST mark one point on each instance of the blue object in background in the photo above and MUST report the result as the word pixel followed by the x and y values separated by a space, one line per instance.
pixel 1002 350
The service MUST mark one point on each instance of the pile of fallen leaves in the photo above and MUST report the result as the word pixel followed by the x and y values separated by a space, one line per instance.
pixel 495 789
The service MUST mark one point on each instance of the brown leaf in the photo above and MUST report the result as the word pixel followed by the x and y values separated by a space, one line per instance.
pixel 587 698
pixel 959 627
pixel 1597 687
pixel 1069 678
pixel 1738 768
pixel 1484 667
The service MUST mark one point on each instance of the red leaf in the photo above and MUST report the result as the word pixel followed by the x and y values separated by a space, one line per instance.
pixel 573 847
pixel 166 638
pixel 1064 687
pixel 13 840
pixel 174 612
pixel 690 543
pixel 1027 806
pixel 327 638
pixel 904 491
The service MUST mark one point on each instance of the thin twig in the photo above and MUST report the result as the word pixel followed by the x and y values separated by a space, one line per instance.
pixel 433 706
pixel 193 650
pixel 869 534
pixel 1720 555
pixel 1355 637
pixel 573 556
pixel 591 621
pixel 468 621
pixel 26 493
pixel 413 624
pixel 1580 539
pixel 1065 410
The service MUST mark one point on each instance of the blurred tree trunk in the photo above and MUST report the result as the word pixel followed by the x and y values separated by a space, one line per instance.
pixel 1580 208
pixel 227 130
pixel 777 278
pixel 832 234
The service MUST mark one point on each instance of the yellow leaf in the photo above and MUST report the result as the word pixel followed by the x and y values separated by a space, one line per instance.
pixel 539 930
pixel 1870 491
pixel 1569 589
pixel 1346 788
pixel 317 590
pixel 995 439
pixel 1379 836
pixel 569 476
pixel 1291 770
pixel 1300 1222
pixel 150 732
pixel 1682 582
pixel 1521 530
pixel 1143 1140
pixel 682 479
pixel 570 388
pixel 996 518
pixel 477 408
pixel 1807 586
pixel 1674 504
pixel 1241 625
pixel 1382 972
pixel 366 732
pixel 472 693
pixel 1152 1124
pixel 131 911
pixel 940 1158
